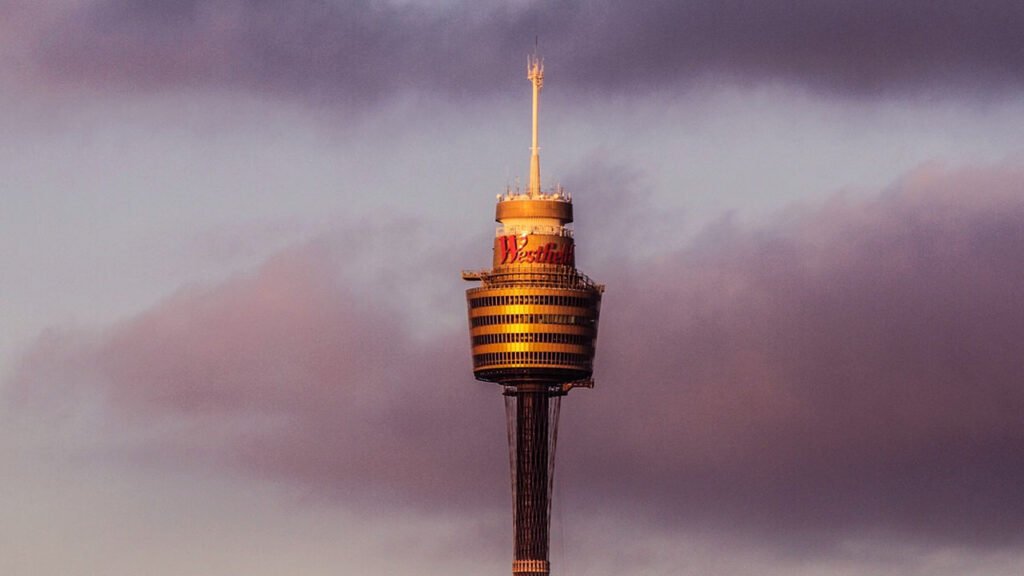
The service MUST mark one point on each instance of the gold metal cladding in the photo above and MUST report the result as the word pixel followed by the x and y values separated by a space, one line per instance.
pixel 531 566
pixel 589 312
pixel 548 333
pixel 528 327
pixel 520 208
pixel 517 328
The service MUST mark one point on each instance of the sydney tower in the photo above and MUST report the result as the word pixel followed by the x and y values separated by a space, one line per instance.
pixel 533 324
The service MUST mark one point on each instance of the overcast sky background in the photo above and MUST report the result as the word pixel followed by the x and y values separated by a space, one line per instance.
pixel 234 331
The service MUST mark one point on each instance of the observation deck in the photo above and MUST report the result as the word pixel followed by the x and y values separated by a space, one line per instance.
pixel 534 318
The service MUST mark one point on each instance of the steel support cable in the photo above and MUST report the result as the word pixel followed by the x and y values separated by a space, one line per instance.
pixel 510 426
pixel 554 407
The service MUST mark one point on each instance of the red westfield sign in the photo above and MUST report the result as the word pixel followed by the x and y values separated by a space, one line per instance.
pixel 513 251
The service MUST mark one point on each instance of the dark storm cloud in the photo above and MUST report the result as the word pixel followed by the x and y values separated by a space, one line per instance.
pixel 359 51
pixel 853 369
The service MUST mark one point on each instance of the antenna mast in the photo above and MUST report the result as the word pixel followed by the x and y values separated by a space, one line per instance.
pixel 535 74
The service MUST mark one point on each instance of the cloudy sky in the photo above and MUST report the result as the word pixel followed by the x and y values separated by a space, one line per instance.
pixel 234 333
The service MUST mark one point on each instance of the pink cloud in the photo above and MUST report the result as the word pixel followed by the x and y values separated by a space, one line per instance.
pixel 854 367
pixel 286 372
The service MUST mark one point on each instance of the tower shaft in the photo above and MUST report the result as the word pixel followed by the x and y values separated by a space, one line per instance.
pixel 532 479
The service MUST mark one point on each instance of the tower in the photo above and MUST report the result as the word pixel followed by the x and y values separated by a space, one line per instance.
pixel 533 328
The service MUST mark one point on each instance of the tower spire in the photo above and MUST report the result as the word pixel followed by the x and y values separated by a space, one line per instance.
pixel 535 74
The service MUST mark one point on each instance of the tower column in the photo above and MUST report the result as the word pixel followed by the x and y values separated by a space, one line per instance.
pixel 531 481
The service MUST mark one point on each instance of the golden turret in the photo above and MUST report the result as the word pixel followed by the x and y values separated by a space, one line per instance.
pixel 535 316
pixel 533 326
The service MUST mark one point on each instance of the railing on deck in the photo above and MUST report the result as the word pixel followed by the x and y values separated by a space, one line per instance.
pixel 557 194
pixel 514 230
pixel 541 275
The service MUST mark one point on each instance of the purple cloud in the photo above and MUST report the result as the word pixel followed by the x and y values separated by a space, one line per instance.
pixel 288 373
pixel 357 52
pixel 854 368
